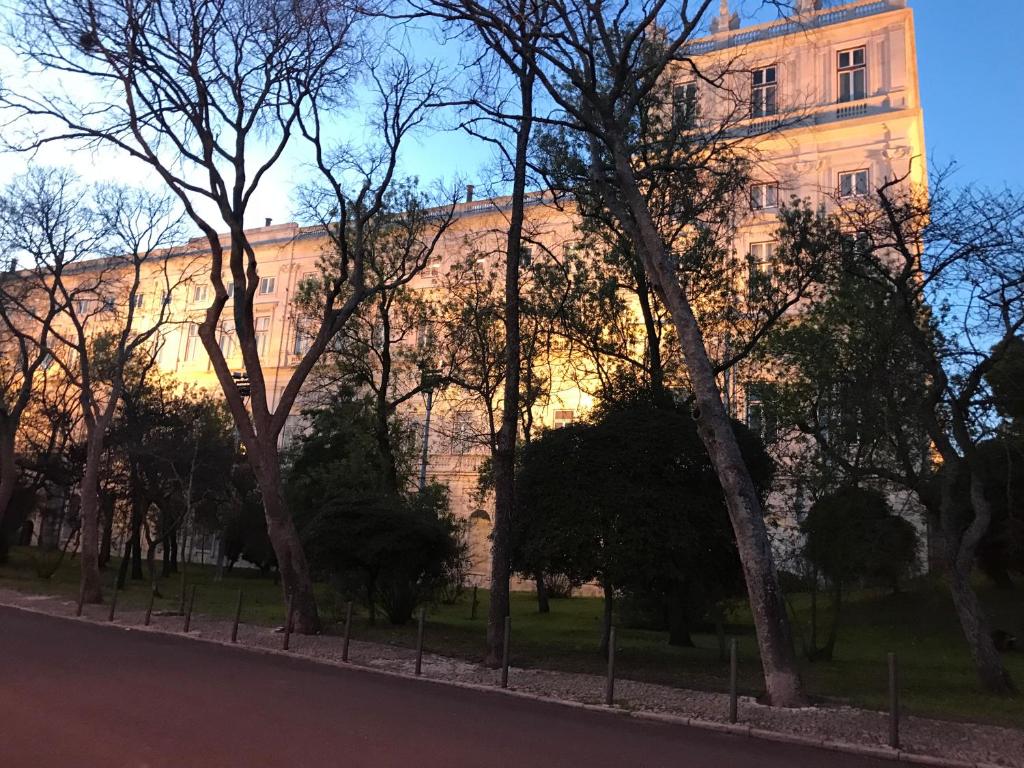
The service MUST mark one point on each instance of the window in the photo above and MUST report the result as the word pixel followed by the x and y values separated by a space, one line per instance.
pixel 226 340
pixel 199 293
pixel 303 338
pixel 562 418
pixel 230 288
pixel 764 92
pixel 853 184
pixel 433 268
pixel 192 342
pixel 267 284
pixel 852 75
pixel 261 326
pixel 82 306
pixel 758 418
pixel 462 433
pixel 684 104
pixel 166 298
pixel 763 196
pixel 525 255
pixel 760 264
pixel 139 300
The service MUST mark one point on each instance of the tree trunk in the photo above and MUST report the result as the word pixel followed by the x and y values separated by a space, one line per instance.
pixel 543 604
pixel 678 622
pixel 504 454
pixel 606 618
pixel 778 659
pixel 122 569
pixel 297 585
pixel 106 543
pixel 8 471
pixel 92 590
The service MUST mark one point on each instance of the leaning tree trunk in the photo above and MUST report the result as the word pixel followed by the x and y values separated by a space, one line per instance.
pixel 504 456
pixel 92 590
pixel 746 514
pixel 962 546
pixel 296 582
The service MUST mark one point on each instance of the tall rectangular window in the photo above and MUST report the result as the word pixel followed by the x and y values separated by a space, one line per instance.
pixel 261 326
pixel 853 183
pixel 139 300
pixel 764 196
pixel 192 342
pixel 199 293
pixel 760 262
pixel 267 284
pixel 853 75
pixel 764 89
pixel 303 338
pixel 684 104
pixel 759 418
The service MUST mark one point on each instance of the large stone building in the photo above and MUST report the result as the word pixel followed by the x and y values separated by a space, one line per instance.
pixel 834 108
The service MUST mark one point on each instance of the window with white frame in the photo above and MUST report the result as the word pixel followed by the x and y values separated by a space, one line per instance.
pixel 760 262
pixel 226 341
pixel 199 293
pixel 82 306
pixel 462 435
pixel 268 284
pixel 853 183
pixel 764 90
pixel 684 104
pixel 562 418
pixel 758 417
pixel 192 342
pixel 139 300
pixel 261 326
pixel 303 338
pixel 853 74
pixel 764 196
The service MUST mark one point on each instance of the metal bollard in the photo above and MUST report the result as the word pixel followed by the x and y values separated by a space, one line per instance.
pixel 733 670
pixel 113 602
pixel 504 652
pixel 149 608
pixel 238 616
pixel 609 686
pixel 81 600
pixel 289 620
pixel 188 611
pixel 894 703
pixel 348 631
pixel 472 606
pixel 419 642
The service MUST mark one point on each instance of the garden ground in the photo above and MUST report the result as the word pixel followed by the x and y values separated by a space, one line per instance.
pixel 937 677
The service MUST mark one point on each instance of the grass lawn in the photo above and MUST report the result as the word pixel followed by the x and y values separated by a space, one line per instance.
pixel 919 625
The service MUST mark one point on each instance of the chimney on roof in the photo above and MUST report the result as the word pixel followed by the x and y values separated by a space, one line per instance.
pixel 469 193
pixel 266 222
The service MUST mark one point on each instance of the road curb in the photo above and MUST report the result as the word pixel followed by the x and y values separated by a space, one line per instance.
pixel 863 750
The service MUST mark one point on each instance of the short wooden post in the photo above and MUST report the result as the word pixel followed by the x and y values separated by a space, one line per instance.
pixel 733 675
pixel 81 600
pixel 181 607
pixel 419 642
pixel 609 686
pixel 188 610
pixel 113 602
pixel 472 606
pixel 894 703
pixel 348 631
pixel 288 624
pixel 238 617
pixel 149 608
pixel 504 652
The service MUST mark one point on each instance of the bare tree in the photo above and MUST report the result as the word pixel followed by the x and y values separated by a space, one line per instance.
pixel 92 253
pixel 209 95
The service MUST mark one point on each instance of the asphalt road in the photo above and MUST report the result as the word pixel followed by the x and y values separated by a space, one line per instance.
pixel 82 695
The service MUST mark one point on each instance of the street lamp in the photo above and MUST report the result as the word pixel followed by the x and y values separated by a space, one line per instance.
pixel 430 379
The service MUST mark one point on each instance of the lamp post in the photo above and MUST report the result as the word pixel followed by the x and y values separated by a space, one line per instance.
pixel 430 379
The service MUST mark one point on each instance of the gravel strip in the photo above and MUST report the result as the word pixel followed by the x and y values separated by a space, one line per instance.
pixel 969 743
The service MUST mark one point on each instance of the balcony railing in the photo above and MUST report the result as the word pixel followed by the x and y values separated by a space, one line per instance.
pixel 783 27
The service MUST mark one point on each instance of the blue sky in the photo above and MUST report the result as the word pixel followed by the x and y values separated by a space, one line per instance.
pixel 972 84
